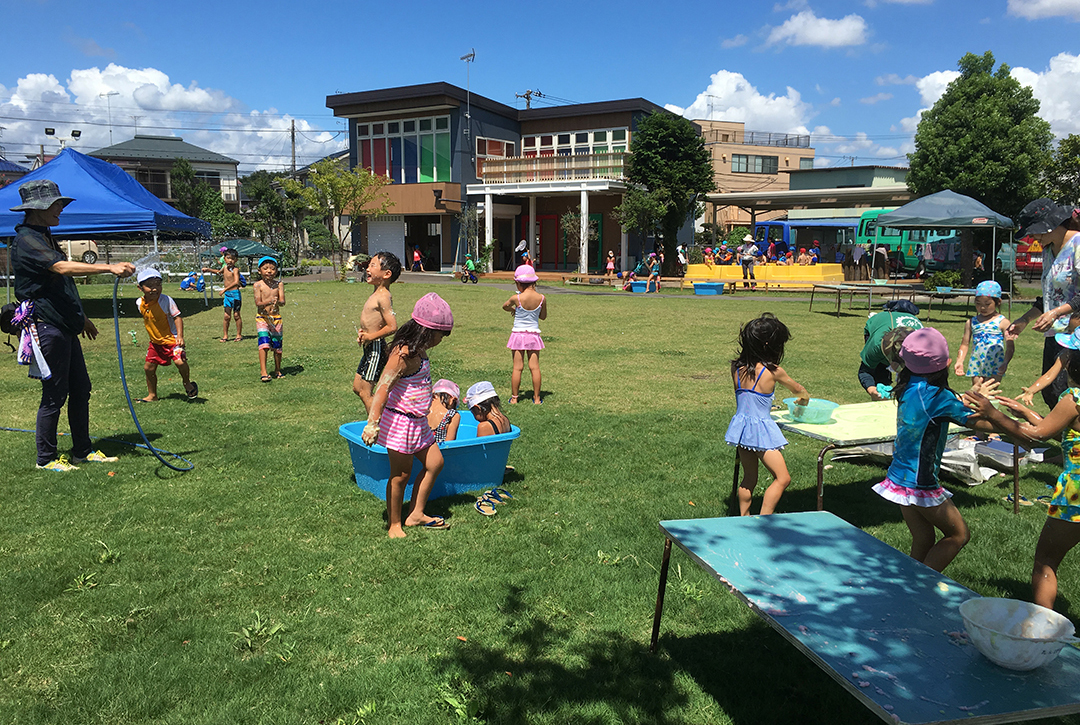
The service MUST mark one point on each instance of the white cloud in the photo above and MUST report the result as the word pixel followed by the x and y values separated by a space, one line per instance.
pixel 1038 9
pixel 828 145
pixel 835 101
pixel 806 28
pixel 791 5
pixel 206 117
pixel 875 3
pixel 737 41
pixel 893 79
pixel 1055 88
pixel 877 98
pixel 730 97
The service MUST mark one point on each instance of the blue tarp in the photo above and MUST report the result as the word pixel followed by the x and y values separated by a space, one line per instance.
pixel 108 200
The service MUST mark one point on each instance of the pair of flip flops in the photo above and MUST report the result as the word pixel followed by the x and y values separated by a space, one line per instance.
pixel 1023 500
pixel 486 503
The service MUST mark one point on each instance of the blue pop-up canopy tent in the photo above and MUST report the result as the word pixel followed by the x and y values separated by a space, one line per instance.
pixel 108 200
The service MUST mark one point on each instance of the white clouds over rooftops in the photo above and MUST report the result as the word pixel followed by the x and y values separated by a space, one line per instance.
pixel 1038 9
pixel 806 28
pixel 730 97
pixel 206 117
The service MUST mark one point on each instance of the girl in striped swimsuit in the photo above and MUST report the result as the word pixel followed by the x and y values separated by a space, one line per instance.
pixel 398 415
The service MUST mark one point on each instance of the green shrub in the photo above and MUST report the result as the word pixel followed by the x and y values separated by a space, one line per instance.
pixel 944 278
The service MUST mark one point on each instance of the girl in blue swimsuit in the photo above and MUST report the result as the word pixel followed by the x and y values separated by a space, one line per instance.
pixel 755 372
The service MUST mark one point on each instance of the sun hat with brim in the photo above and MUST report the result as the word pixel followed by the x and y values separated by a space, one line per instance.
pixel 148 273
pixel 40 194
pixel 446 386
pixel 1041 216
pixel 432 312
pixel 748 238
pixel 1070 340
pixel 479 392
pixel 988 288
pixel 264 260
pixel 525 273
pixel 925 351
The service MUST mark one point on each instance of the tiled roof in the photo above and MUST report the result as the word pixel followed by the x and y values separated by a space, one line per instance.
pixel 160 147
pixel 8 166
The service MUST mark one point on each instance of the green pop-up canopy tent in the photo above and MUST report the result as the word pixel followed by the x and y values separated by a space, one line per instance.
pixel 245 248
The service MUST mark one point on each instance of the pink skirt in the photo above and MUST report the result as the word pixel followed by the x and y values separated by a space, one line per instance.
pixel 924 497
pixel 525 341
pixel 403 434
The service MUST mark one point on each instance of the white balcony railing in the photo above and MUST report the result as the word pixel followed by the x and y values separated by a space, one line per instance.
pixel 520 169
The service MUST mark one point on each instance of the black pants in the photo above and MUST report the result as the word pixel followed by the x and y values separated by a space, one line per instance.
pixel 69 383
pixel 748 269
pixel 1050 394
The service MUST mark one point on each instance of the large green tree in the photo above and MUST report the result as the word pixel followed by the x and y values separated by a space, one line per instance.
pixel 196 198
pixel 334 191
pixel 669 160
pixel 1062 177
pixel 983 138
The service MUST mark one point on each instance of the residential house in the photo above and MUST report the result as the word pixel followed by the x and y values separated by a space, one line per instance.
pixel 150 160
pixel 444 147
pixel 11 172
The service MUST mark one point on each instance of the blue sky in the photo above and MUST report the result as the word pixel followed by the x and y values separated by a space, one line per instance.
pixel 232 76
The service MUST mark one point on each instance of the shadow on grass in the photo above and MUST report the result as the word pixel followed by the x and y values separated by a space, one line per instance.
pixel 292 369
pixel 546 668
pixel 757 677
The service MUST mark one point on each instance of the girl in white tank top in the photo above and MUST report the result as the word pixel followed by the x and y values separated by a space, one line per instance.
pixel 528 307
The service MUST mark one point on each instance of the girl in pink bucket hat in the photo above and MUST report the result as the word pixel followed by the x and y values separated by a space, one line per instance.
pixel 528 307
pixel 399 410
pixel 925 408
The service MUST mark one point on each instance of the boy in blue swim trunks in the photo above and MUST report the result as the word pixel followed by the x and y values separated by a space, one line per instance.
pixel 231 297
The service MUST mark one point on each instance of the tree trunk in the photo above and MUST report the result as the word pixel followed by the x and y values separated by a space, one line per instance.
pixel 967 257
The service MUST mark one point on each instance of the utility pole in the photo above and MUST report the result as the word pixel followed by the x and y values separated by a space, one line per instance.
pixel 292 132
pixel 136 120
pixel 527 95
pixel 108 99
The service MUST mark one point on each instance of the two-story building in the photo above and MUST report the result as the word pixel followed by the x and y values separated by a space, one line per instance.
pixel 751 161
pixel 444 147
pixel 150 160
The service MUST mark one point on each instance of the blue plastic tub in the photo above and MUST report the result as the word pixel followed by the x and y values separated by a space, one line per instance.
pixel 817 410
pixel 471 463
pixel 705 289
pixel 643 286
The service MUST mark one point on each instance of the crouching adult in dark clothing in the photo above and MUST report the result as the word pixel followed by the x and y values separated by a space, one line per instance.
pixel 54 320
pixel 874 361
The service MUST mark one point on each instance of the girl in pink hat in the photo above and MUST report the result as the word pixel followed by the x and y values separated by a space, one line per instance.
pixel 528 307
pixel 398 416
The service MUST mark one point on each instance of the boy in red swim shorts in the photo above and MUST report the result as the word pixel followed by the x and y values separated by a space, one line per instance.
pixel 166 330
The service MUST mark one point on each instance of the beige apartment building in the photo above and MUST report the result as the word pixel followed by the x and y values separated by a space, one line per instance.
pixel 750 161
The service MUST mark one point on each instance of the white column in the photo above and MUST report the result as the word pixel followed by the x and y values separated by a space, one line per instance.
pixel 489 225
pixel 532 231
pixel 583 266
pixel 623 245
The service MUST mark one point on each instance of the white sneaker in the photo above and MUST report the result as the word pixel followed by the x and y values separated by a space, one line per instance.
pixel 61 465
pixel 95 457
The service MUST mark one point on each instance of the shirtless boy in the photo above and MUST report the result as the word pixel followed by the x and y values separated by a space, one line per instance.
pixel 377 322
pixel 231 295
pixel 269 296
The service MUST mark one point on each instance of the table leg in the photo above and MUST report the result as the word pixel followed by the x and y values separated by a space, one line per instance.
pixel 1016 479
pixel 812 291
pixel 660 596
pixel 821 476
pixel 838 292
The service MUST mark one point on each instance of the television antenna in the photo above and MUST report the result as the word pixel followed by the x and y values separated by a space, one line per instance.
pixel 468 58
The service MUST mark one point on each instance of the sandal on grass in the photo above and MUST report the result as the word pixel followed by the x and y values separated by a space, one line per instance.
pixel 513 400
pixel 498 495
pixel 266 378
pixel 193 391
pixel 484 506
pixel 1023 500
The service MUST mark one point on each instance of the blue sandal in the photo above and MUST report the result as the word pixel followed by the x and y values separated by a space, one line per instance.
pixel 498 495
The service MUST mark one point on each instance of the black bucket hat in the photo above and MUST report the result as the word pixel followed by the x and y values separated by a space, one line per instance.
pixel 1041 216
pixel 40 194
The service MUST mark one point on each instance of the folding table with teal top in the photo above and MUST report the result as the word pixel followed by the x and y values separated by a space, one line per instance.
pixel 884 626
pixel 860 424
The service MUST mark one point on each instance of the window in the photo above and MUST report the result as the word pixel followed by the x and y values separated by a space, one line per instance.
pixel 408 151
pixel 564 139
pixel 433 229
pixel 156 181
pixel 618 134
pixel 598 141
pixel 805 163
pixel 747 164
pixel 599 136
pixel 210 178
pixel 493 148
pixel 581 138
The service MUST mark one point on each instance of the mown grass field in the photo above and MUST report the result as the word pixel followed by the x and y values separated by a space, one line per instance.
pixel 260 587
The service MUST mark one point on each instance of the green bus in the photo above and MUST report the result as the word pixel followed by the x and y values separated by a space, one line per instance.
pixel 916 251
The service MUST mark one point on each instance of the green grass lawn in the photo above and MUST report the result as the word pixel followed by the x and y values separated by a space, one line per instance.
pixel 260 587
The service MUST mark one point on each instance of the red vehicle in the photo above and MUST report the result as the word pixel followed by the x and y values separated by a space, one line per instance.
pixel 1025 257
